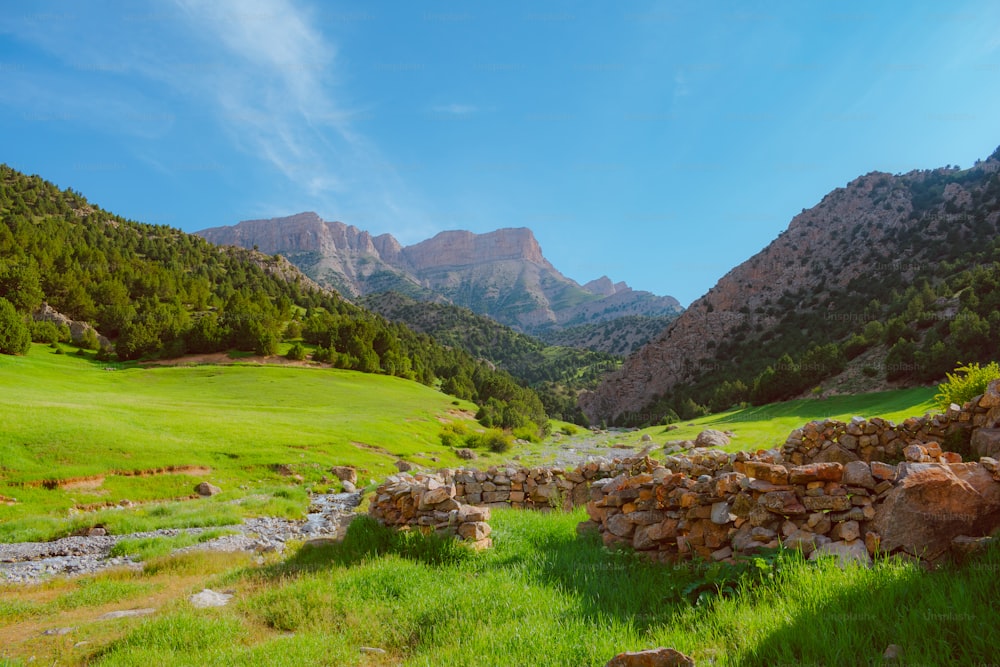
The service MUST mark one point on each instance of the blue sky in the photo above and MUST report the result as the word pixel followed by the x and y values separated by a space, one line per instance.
pixel 659 143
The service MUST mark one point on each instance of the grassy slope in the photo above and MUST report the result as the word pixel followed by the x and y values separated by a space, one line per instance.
pixel 768 426
pixel 66 417
pixel 541 596
pixel 754 428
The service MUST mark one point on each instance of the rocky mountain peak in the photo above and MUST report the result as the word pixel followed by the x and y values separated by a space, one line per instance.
pixel 502 273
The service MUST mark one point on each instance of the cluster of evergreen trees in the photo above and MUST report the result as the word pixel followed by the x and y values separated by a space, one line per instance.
pixel 158 292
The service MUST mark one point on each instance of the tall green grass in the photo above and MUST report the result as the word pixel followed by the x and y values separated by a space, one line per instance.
pixel 544 596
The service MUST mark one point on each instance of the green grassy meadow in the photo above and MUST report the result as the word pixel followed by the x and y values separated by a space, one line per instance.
pixel 74 435
pixel 542 596
pixel 67 419
pixel 767 426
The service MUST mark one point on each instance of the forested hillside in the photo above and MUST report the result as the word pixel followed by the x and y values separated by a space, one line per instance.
pixel 620 337
pixel 556 373
pixel 158 292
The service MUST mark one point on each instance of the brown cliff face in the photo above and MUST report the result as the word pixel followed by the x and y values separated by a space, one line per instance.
pixel 460 248
pixel 502 274
pixel 854 233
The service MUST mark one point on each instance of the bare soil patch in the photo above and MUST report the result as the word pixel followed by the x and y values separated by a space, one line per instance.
pixel 95 481
pixel 222 358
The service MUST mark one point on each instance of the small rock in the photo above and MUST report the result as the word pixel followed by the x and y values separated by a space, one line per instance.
pixel 125 613
pixel 892 652
pixel 858 473
pixel 845 553
pixel 465 453
pixel 720 514
pixel 345 474
pixel 372 649
pixel 403 466
pixel 57 632
pixel 207 489
pixel 349 487
pixel 847 531
pixel 209 598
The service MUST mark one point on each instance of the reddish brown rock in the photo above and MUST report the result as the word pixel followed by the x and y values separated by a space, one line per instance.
pixel 816 472
pixel 475 531
pixel 933 503
pixel 656 657
pixel 883 471
pixel 785 503
pixel 345 474
pixel 768 472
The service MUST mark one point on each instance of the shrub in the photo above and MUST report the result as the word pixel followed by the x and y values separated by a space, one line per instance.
pixel 293 330
pixel 965 383
pixel 496 441
pixel 44 332
pixel 528 432
pixel 569 429
pixel 296 352
pixel 89 340
pixel 323 355
pixel 15 337
pixel 454 434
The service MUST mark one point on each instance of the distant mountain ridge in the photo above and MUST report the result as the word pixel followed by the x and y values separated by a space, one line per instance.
pixel 502 274
pixel 903 263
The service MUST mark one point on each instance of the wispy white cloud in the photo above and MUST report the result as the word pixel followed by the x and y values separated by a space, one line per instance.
pixel 273 92
pixel 455 109
pixel 259 72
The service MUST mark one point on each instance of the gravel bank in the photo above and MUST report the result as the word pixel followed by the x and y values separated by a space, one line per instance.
pixel 29 562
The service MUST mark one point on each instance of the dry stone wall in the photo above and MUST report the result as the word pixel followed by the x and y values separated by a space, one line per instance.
pixel 835 488
pixel 881 440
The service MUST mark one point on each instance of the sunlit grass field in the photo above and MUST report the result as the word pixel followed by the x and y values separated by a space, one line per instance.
pixel 768 426
pixel 542 596
pixel 67 419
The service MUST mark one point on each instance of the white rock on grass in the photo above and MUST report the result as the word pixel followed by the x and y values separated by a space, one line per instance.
pixel 209 598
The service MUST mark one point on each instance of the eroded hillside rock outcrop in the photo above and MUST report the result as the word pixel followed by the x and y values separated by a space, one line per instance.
pixel 878 224
pixel 78 330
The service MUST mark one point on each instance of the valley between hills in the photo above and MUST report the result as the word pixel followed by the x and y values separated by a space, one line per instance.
pixel 164 396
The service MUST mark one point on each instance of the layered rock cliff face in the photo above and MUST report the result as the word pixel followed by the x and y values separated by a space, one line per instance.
pixel 879 224
pixel 502 274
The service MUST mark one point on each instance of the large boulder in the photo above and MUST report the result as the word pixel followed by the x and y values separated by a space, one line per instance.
pixel 711 438
pixel 345 474
pixel 986 442
pixel 935 502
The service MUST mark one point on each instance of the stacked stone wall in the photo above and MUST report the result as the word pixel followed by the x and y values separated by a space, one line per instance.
pixel 834 488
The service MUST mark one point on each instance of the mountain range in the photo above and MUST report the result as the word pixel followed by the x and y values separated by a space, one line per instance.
pixel 502 274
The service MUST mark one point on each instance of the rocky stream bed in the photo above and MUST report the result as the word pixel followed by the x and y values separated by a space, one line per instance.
pixel 29 562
